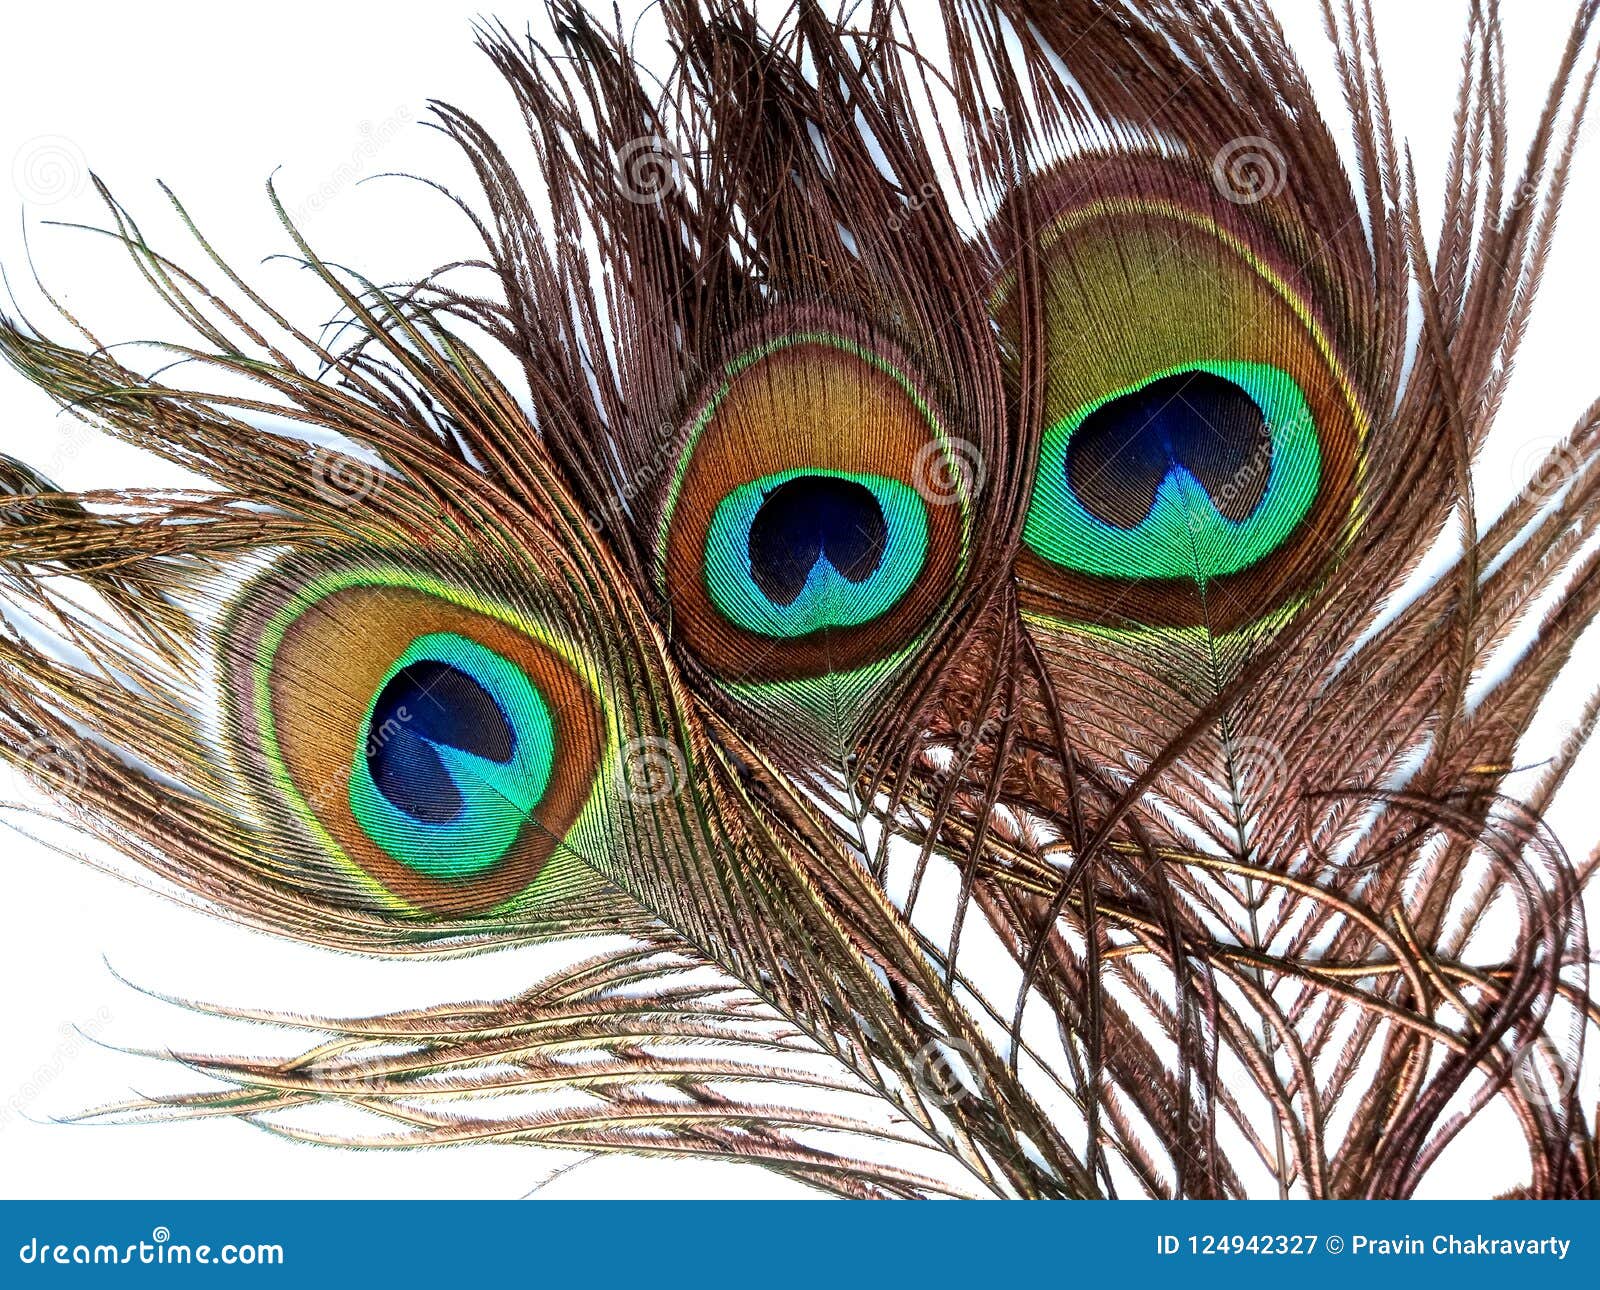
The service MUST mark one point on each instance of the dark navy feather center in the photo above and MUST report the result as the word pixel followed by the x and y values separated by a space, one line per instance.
pixel 809 517
pixel 425 706
pixel 1118 458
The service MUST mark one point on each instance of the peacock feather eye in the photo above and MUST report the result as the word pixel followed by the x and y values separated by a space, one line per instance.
pixel 801 551
pixel 457 752
pixel 1200 454
pixel 818 517
pixel 437 746
pixel 1198 472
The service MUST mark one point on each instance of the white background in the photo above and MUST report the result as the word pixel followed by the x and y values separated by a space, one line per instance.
pixel 213 99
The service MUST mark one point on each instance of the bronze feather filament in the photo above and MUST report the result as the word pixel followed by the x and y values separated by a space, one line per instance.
pixel 910 569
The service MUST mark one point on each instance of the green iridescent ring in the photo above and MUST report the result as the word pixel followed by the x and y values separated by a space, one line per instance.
pixel 1185 534
pixel 828 598
pixel 491 796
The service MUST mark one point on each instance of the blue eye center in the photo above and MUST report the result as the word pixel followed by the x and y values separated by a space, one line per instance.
pixel 803 551
pixel 1194 472
pixel 458 748
pixel 425 706
pixel 1194 421
pixel 814 517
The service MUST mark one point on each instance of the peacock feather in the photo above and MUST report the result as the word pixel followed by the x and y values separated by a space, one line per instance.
pixel 912 575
